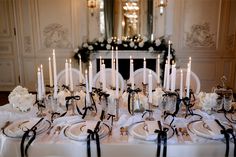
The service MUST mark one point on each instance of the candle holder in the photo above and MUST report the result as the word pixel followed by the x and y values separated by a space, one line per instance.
pixel 144 89
pixel 150 113
pixel 41 107
pixel 117 101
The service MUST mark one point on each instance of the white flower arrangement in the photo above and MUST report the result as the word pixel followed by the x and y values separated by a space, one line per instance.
pixel 108 47
pixel 21 99
pixel 109 40
pixel 157 97
pixel 90 47
pixel 207 101
pixel 157 42
pixel 100 39
pixel 131 44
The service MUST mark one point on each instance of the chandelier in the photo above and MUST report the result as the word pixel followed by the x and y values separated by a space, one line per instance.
pixel 92 5
pixel 162 4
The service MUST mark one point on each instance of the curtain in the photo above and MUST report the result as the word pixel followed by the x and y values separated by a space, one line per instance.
pixel 150 18
pixel 108 16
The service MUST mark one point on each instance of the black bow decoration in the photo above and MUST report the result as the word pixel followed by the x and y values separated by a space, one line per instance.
pixel 77 97
pixel 227 133
pixel 23 148
pixel 162 137
pixel 131 91
pixel 94 136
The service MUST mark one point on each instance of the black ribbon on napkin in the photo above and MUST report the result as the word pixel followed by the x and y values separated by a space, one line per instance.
pixel 93 135
pixel 131 91
pixel 105 95
pixel 227 133
pixel 68 98
pixel 112 118
pixel 23 148
pixel 161 137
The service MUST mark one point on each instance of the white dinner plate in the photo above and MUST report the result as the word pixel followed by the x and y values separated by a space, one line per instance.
pixel 78 131
pixel 18 128
pixel 208 129
pixel 137 130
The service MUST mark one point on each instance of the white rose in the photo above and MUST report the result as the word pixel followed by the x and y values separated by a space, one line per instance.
pixel 145 39
pixel 85 45
pixel 141 44
pixel 157 42
pixel 90 47
pixel 76 50
pixel 109 40
pixel 100 39
pixel 131 44
pixel 150 49
pixel 108 46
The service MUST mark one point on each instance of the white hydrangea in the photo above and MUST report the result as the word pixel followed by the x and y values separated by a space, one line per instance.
pixel 207 101
pixel 21 99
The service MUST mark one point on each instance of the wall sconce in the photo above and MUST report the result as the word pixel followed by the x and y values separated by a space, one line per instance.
pixel 162 4
pixel 92 5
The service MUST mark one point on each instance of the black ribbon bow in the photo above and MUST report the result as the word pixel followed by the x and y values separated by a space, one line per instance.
pixel 105 95
pixel 162 137
pixel 23 148
pixel 68 98
pixel 227 133
pixel 94 136
pixel 131 91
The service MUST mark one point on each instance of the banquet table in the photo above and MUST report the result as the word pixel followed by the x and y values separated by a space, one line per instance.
pixel 112 145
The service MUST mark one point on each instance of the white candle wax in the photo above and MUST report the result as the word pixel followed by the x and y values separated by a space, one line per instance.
pixel 42 81
pixel 100 63
pixel 87 99
pixel 168 68
pixel 173 77
pixel 50 72
pixel 39 92
pixel 103 76
pixel 113 77
pixel 90 76
pixel 117 73
pixel 80 69
pixel 150 87
pixel 181 84
pixel 144 71
pixel 66 74
pixel 158 70
pixel 165 75
pixel 54 74
pixel 132 74
pixel 71 77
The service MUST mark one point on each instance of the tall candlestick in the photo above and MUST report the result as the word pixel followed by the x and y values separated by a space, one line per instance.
pixel 42 81
pixel 66 74
pixel 50 72
pixel 173 77
pixel 71 79
pixel 188 78
pixel 181 84
pixel 158 70
pixel 150 87
pixel 117 73
pixel 87 88
pixel 130 67
pixel 90 76
pixel 80 69
pixel 103 76
pixel 113 77
pixel 165 75
pixel 39 92
pixel 144 71
pixel 54 74
pixel 100 63
pixel 168 68
pixel 132 74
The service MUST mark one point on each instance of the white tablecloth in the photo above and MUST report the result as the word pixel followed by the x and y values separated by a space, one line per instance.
pixel 111 146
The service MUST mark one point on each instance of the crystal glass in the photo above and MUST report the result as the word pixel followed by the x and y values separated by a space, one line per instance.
pixel 169 103
pixel 225 98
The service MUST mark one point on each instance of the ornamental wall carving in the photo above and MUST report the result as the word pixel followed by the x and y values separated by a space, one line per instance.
pixel 56 36
pixel 200 35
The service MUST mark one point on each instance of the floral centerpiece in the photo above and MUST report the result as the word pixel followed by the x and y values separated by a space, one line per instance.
pixel 137 42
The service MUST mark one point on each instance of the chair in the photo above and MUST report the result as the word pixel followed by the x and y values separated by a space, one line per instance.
pixel 138 78
pixel 194 81
pixel 96 79
pixel 75 76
